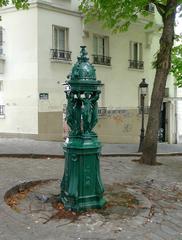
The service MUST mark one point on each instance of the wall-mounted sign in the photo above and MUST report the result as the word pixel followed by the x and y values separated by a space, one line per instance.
pixel 43 96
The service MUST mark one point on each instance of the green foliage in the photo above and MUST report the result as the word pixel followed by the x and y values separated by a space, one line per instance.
pixel 176 67
pixel 116 14
pixel 119 14
pixel 176 61
pixel 149 25
pixel 24 4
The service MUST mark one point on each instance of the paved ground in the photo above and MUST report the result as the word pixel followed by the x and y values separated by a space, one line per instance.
pixel 160 185
pixel 28 146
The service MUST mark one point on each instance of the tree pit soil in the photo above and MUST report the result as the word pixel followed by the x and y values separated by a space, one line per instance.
pixel 39 199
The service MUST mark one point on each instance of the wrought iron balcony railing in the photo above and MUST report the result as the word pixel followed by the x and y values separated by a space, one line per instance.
pixel 102 60
pixel 2 108
pixel 136 64
pixel 60 55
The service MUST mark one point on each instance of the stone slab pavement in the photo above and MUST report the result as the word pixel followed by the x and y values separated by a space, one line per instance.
pixel 29 146
pixel 160 185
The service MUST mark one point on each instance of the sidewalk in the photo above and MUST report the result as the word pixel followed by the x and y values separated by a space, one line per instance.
pixel 34 147
pixel 158 189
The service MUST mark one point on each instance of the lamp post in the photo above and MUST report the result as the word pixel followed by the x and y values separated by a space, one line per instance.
pixel 143 91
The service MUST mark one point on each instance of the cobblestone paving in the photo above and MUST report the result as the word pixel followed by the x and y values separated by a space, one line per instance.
pixel 160 185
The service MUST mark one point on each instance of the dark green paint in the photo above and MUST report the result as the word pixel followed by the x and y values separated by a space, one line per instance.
pixel 81 186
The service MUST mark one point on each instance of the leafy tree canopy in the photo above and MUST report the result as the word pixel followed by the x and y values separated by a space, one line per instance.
pixel 119 14
pixel 176 67
pixel 116 15
pixel 18 3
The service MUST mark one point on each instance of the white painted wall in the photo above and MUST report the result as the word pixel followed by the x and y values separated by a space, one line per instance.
pixel 179 116
pixel 120 82
pixel 53 74
pixel 20 73
pixel 67 4
pixel 29 70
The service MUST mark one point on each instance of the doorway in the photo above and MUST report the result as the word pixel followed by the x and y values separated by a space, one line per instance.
pixel 163 125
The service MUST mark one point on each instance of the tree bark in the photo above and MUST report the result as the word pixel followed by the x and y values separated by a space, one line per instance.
pixel 163 64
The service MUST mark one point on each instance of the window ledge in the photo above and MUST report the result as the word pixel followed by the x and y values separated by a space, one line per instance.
pixel 102 65
pixel 136 69
pixel 60 61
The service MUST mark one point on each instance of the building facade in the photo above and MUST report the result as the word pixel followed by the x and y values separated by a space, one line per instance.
pixel 37 49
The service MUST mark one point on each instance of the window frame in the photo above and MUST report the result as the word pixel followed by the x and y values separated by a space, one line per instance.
pixel 101 50
pixel 58 52
pixel 105 45
pixel 150 7
pixel 66 37
pixel 136 55
pixel 139 55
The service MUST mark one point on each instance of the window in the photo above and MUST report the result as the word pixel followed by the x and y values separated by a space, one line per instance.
pixel 101 50
pixel 136 55
pixel 59 49
pixel 150 8
pixel 60 38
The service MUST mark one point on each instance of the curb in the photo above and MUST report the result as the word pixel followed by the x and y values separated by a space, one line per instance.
pixel 139 154
pixel 30 155
pixel 35 155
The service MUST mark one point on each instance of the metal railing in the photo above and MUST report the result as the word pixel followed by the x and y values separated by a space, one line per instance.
pixel 102 60
pixel 136 64
pixel 2 110
pixel 60 55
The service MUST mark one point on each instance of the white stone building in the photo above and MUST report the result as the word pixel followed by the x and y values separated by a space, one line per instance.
pixel 37 49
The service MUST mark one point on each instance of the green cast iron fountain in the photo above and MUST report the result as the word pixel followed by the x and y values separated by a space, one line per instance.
pixel 81 186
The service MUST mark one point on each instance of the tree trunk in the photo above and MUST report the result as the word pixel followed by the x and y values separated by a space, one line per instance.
pixel 163 64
